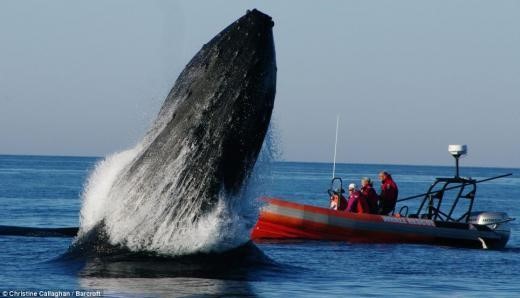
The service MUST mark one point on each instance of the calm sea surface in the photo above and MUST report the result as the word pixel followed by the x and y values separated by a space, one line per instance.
pixel 45 192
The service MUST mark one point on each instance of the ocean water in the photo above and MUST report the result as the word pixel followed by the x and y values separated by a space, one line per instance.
pixel 45 191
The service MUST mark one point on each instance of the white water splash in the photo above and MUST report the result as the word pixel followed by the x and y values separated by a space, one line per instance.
pixel 150 220
pixel 97 188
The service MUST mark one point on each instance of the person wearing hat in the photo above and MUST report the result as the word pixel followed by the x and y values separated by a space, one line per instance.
pixel 357 203
pixel 337 200
pixel 367 189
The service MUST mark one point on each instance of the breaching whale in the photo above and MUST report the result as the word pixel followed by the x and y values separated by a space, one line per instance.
pixel 198 153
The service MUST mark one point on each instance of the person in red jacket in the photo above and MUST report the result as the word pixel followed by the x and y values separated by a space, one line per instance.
pixel 389 192
pixel 367 189
pixel 357 203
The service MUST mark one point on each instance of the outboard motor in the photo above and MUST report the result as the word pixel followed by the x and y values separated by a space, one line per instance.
pixel 495 221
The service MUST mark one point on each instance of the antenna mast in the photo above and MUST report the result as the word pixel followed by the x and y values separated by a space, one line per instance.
pixel 335 148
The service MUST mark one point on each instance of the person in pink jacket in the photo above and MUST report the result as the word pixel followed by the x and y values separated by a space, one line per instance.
pixel 357 203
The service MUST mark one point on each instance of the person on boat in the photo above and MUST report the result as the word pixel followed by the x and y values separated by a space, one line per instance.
pixel 367 189
pixel 337 200
pixel 357 202
pixel 389 192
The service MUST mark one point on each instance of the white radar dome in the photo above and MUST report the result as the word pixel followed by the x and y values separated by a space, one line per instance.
pixel 458 150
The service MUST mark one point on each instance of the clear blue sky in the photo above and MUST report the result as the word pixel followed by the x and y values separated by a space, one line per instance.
pixel 407 77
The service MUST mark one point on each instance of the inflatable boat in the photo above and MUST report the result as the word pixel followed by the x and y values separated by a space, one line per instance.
pixel 281 219
pixel 433 222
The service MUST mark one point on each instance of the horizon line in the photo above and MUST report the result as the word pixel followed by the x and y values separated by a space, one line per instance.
pixel 293 161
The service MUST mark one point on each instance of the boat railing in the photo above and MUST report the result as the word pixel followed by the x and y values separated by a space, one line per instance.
pixel 433 198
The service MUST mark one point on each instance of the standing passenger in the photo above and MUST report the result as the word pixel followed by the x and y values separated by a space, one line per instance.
pixel 370 194
pixel 356 201
pixel 388 194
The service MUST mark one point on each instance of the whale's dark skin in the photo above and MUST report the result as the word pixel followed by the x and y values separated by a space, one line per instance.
pixel 224 99
pixel 38 232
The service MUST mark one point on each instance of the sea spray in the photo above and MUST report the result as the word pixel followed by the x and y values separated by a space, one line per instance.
pixel 98 185
pixel 226 227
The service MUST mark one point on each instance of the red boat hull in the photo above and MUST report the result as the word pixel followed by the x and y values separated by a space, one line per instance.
pixel 287 220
